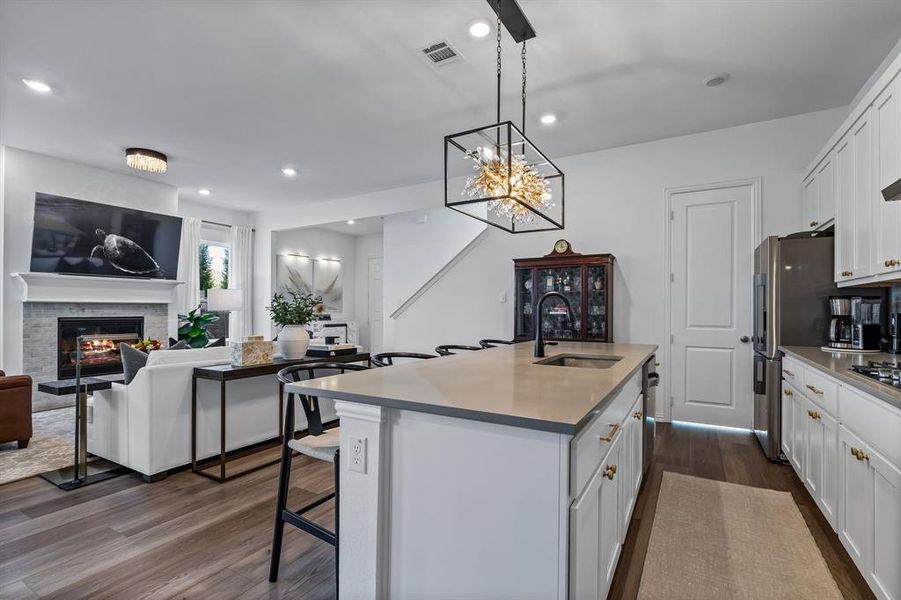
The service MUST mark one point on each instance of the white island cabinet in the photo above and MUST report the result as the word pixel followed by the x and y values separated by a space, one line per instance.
pixel 486 475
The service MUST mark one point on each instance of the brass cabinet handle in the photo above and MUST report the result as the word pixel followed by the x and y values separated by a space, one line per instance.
pixel 814 223
pixel 788 392
pixel 787 372
pixel 813 414
pixel 610 471
pixel 614 427
pixel 810 413
pixel 847 273
pixel 637 414
pixel 888 262
pixel 859 454
pixel 814 390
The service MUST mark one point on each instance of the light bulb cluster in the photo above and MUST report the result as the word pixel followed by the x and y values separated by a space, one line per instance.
pixel 526 185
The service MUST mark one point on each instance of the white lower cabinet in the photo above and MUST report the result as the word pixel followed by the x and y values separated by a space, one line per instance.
pixel 869 514
pixel 599 518
pixel 594 522
pixel 788 411
pixel 799 434
pixel 821 453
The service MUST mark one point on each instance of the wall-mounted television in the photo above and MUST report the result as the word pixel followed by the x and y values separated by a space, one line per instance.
pixel 87 238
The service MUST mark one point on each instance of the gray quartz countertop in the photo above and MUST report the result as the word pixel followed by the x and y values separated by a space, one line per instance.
pixel 500 385
pixel 838 364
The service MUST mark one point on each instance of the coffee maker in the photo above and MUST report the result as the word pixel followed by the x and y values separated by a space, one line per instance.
pixel 894 333
pixel 840 325
pixel 866 322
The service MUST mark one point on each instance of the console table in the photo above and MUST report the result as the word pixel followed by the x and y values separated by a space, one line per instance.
pixel 225 373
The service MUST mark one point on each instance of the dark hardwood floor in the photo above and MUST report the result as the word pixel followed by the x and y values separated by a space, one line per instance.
pixel 189 537
pixel 736 457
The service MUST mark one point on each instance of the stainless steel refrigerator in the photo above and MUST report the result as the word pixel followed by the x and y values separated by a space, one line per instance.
pixel 793 279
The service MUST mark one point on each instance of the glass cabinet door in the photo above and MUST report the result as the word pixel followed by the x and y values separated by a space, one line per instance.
pixel 597 303
pixel 555 321
pixel 524 307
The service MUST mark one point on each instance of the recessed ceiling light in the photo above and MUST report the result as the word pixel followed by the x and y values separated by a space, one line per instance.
pixel 37 86
pixel 717 80
pixel 548 119
pixel 203 192
pixel 289 171
pixel 351 222
pixel 479 28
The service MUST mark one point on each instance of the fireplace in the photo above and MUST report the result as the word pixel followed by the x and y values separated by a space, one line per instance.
pixel 98 357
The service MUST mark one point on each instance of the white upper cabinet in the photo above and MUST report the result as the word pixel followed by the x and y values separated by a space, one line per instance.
pixel 818 198
pixel 845 182
pixel 887 128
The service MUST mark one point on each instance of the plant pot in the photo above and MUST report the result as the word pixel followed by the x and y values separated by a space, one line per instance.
pixel 293 341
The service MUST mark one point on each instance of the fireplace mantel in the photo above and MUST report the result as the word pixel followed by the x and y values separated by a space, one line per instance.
pixel 55 287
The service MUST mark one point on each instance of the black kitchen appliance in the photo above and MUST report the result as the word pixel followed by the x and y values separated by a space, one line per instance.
pixel 886 373
pixel 866 317
pixel 840 324
pixel 894 333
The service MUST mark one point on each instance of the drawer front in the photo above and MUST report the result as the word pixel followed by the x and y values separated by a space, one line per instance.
pixel 591 445
pixel 821 389
pixel 793 372
pixel 875 422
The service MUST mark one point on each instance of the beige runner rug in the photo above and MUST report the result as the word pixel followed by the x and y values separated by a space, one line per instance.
pixel 720 540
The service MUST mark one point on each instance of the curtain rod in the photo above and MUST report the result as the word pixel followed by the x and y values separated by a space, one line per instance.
pixel 221 224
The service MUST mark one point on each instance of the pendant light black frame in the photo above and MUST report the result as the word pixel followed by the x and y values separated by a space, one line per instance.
pixel 500 136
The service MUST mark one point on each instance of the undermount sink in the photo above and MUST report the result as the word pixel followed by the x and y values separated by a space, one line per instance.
pixel 584 361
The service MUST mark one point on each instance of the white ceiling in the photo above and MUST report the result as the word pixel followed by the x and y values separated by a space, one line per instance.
pixel 234 90
pixel 365 226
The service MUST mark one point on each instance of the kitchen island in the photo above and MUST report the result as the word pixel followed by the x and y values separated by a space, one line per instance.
pixel 486 475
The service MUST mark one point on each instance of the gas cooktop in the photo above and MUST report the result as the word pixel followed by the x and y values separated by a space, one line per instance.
pixel 884 372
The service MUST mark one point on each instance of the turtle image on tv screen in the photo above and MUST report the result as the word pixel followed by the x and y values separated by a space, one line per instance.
pixel 79 237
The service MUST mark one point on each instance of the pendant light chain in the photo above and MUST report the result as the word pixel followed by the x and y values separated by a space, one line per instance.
pixel 498 61
pixel 523 88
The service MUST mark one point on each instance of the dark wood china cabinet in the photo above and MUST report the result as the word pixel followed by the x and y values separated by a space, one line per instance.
pixel 586 280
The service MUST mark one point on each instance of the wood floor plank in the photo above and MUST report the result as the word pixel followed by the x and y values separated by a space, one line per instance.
pixel 189 537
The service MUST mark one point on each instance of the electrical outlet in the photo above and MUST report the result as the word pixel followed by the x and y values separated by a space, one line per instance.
pixel 357 455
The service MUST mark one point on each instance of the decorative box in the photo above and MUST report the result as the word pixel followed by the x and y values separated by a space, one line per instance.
pixel 254 350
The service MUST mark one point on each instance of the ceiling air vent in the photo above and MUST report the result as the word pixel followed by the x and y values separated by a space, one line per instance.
pixel 441 53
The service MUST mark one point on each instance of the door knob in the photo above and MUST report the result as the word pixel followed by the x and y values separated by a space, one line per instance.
pixel 744 339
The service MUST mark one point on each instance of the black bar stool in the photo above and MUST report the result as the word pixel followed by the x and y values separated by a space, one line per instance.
pixel 318 444
pixel 386 359
pixel 490 343
pixel 448 349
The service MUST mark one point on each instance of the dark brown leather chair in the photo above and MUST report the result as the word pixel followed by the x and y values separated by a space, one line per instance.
pixel 15 409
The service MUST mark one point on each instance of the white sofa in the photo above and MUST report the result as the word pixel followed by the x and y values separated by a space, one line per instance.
pixel 146 425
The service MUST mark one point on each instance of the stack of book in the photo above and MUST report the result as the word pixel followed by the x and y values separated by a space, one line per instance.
pixel 319 348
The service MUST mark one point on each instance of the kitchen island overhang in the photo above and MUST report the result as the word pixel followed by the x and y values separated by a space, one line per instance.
pixel 472 467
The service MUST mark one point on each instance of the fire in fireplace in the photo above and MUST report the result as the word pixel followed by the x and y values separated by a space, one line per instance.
pixel 98 357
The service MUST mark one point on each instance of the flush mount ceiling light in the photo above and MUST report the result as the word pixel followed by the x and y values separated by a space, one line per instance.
pixel 289 171
pixel 548 119
pixel 143 159
pixel 716 80
pixel 204 192
pixel 351 222
pixel 479 28
pixel 38 86
pixel 495 173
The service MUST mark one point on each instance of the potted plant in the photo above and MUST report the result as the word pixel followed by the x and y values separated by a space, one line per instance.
pixel 291 313
pixel 192 327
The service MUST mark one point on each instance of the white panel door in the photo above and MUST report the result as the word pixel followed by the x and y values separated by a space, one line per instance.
pixel 844 208
pixel 826 190
pixel 712 267
pixel 810 208
pixel 885 565
pixel 863 201
pixel 376 318
pixel 855 503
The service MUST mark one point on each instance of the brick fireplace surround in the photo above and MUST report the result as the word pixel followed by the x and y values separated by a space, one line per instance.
pixel 39 337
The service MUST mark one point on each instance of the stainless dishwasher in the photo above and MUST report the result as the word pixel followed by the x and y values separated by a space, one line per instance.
pixel 649 382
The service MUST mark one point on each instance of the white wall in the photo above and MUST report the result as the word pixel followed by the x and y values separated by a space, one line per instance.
pixel 316 243
pixel 615 203
pixel 367 247
pixel 23 173
pixel 26 173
